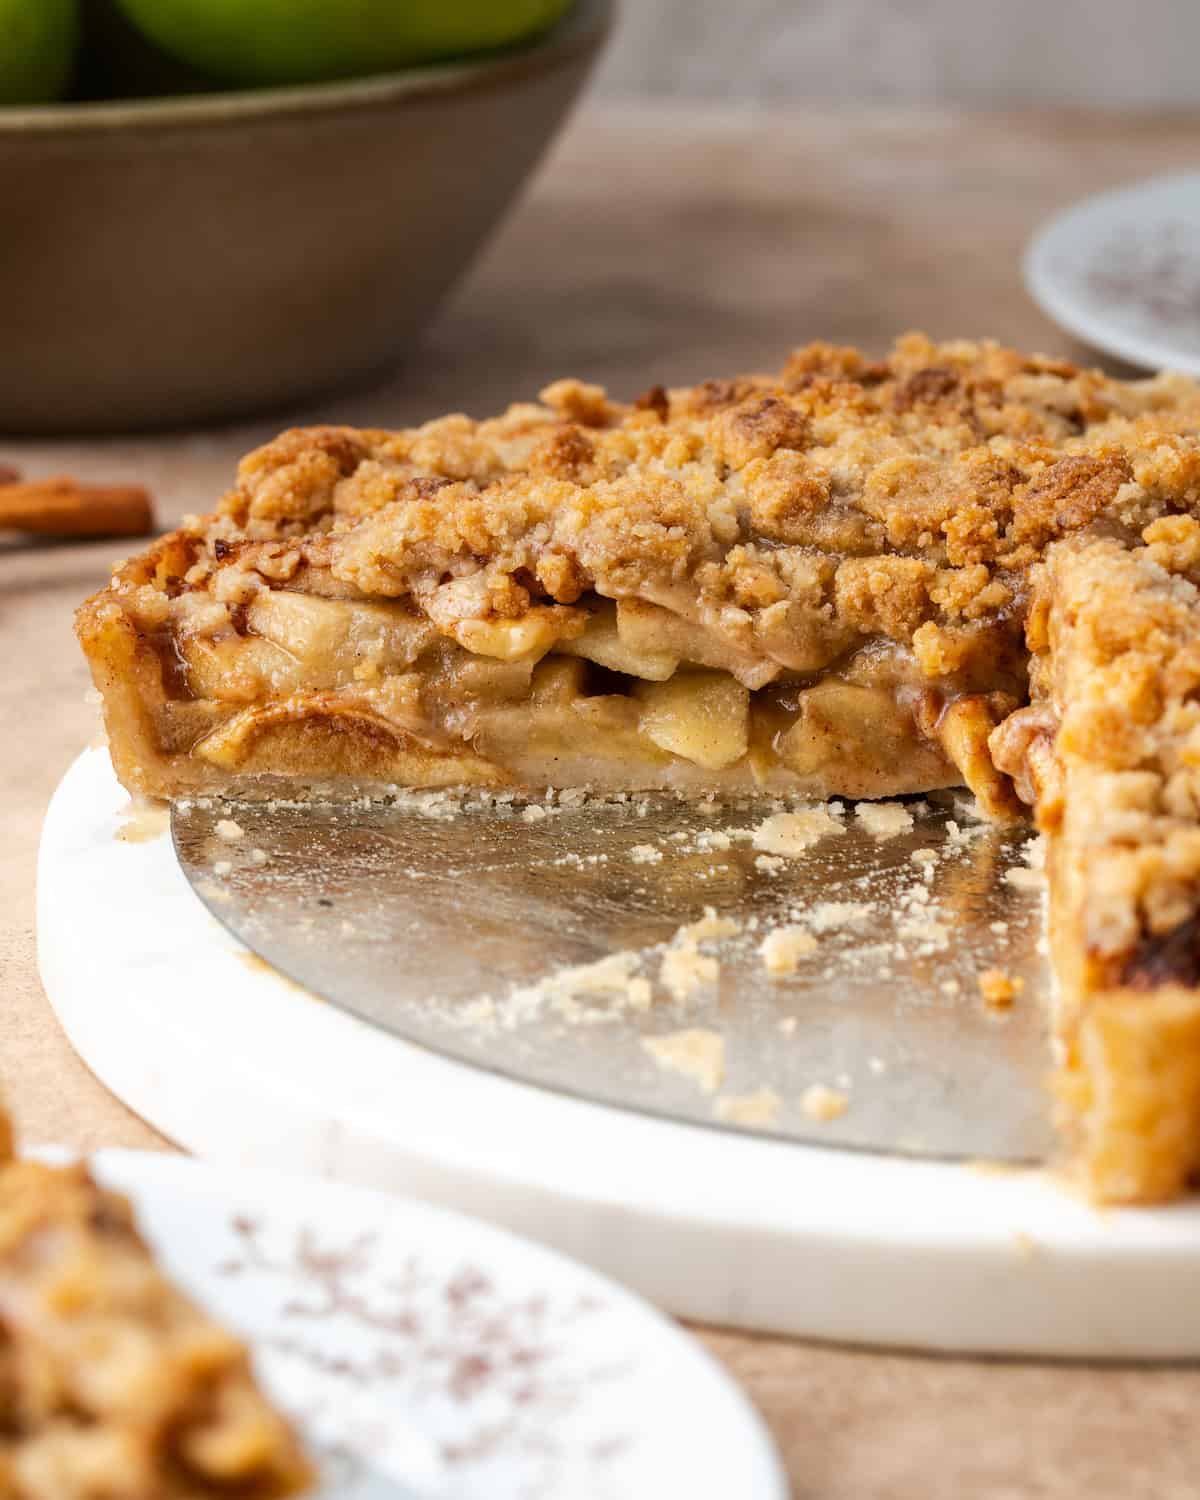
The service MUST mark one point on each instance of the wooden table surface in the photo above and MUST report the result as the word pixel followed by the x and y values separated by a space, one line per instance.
pixel 671 245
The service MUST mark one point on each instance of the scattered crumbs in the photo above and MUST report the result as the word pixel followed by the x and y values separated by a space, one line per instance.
pixel 534 813
pixel 697 1053
pixel 712 838
pixel 645 854
pixel 827 916
pixel 923 927
pixel 480 1011
pixel 950 987
pixel 876 1065
pixel 788 1024
pixel 792 833
pixel 1024 878
pixel 759 1108
pixel 217 894
pixel 999 928
pixel 679 838
pixel 884 820
pixel 639 993
pixel 782 949
pixel 347 928
pixel 968 810
pixel 223 867
pixel 769 864
pixel 820 1102
pixel 999 989
pixel 1034 853
pixel 609 975
pixel 230 832
pixel 708 926
pixel 924 856
pixel 685 969
pixel 258 856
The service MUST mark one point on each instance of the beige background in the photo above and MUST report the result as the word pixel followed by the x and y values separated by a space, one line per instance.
pixel 1104 52
pixel 671 244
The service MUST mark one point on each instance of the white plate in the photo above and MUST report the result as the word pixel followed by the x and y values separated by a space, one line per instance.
pixel 1122 272
pixel 423 1354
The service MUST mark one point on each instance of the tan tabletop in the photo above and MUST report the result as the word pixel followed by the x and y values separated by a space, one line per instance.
pixel 671 246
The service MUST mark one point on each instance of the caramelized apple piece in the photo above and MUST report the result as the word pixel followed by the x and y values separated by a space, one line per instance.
pixel 332 636
pixel 702 716
pixel 603 643
pixel 649 628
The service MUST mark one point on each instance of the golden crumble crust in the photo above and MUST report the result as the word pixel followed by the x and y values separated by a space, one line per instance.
pixel 931 481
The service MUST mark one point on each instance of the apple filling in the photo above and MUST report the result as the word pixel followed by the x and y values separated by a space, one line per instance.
pixel 591 695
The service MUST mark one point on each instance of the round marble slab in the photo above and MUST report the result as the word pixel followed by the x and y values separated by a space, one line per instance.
pixel 201 1038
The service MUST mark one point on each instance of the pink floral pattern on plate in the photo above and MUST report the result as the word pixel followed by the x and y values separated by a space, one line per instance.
pixel 427 1356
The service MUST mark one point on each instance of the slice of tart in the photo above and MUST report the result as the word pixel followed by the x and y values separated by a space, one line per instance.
pixel 1109 753
pixel 817 581
pixel 113 1386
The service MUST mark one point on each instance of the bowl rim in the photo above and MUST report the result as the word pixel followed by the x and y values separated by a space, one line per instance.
pixel 582 29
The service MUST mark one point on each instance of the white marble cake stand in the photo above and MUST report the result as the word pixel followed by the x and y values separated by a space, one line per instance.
pixel 240 1066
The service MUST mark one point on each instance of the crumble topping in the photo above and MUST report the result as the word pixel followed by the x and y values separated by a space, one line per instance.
pixel 865 498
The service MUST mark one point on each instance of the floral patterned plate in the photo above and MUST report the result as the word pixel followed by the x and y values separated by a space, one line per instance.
pixel 1122 272
pixel 427 1356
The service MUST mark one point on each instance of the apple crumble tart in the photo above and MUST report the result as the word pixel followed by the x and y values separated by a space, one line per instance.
pixel 113 1386
pixel 958 565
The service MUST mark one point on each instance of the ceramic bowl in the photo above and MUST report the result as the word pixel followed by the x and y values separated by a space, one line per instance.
pixel 177 261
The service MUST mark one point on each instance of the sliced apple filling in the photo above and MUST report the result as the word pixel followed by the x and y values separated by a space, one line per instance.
pixel 556 696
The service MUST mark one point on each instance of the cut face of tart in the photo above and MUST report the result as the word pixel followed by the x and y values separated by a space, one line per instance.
pixel 1109 753
pixel 832 581
pixel 113 1386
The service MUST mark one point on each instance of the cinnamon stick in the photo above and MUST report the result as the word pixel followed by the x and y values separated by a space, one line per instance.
pixel 64 507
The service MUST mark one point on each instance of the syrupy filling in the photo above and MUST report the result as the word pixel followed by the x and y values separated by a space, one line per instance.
pixel 590 694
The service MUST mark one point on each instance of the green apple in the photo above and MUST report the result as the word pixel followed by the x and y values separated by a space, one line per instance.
pixel 302 41
pixel 38 39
